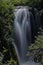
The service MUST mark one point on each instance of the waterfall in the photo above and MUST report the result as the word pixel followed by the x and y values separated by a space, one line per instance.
pixel 22 35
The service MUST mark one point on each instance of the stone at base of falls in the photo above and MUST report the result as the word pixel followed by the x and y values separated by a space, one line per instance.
pixel 30 63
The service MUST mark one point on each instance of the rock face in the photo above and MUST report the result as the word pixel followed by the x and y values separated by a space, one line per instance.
pixel 26 25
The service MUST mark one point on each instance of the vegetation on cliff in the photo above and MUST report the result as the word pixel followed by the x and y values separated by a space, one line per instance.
pixel 7 53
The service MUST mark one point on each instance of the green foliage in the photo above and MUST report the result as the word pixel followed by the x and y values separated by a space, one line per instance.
pixel 19 2
pixel 6 30
pixel 33 3
pixel 36 48
pixel 6 23
pixel 6 20
pixel 10 62
pixel 38 43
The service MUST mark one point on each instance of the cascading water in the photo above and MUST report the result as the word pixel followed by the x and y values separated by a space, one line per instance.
pixel 22 35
